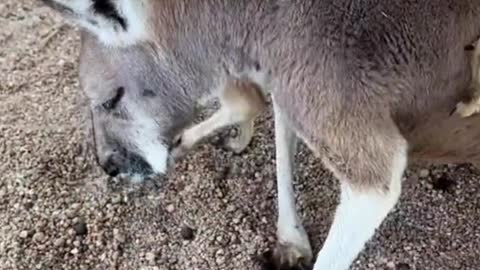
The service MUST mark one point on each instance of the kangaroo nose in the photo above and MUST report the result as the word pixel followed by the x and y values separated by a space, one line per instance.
pixel 111 167
pixel 130 163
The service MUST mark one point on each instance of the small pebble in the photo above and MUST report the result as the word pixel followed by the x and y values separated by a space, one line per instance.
pixel 116 199
pixel 236 220
pixel 403 266
pixel 119 236
pixel 39 237
pixel 391 265
pixel 170 208
pixel 23 234
pixel 80 228
pixel 115 255
pixel 71 232
pixel 75 206
pixel 424 173
pixel 28 205
pixel 59 242
pixel 187 233
pixel 150 257
pixel 220 256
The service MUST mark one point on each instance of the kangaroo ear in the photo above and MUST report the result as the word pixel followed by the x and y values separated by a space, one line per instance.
pixel 90 11
pixel 114 22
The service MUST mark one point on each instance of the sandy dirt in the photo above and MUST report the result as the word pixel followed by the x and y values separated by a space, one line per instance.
pixel 216 212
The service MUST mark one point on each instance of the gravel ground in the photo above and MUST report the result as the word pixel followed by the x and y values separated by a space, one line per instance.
pixel 57 211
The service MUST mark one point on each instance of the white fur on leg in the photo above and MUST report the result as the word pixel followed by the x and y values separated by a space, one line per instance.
pixel 191 136
pixel 357 217
pixel 290 231
pixel 221 118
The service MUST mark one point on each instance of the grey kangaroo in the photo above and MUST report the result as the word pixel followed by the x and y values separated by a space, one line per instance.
pixel 368 85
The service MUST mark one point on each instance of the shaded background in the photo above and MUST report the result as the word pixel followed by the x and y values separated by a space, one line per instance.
pixel 216 212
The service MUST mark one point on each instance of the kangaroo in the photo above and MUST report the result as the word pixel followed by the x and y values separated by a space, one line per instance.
pixel 368 85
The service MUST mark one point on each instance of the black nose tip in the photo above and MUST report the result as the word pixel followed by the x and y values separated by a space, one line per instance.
pixel 111 167
pixel 130 163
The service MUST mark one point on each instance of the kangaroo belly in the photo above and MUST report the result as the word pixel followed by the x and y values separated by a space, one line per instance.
pixel 425 119
pixel 446 139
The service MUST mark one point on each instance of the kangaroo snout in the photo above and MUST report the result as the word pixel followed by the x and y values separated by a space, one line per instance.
pixel 118 163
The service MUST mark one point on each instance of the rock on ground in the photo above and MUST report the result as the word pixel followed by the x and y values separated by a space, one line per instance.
pixel 216 212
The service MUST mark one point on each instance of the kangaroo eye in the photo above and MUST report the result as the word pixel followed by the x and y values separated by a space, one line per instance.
pixel 113 102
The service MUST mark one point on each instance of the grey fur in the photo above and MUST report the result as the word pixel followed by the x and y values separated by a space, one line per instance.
pixel 103 70
pixel 341 69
